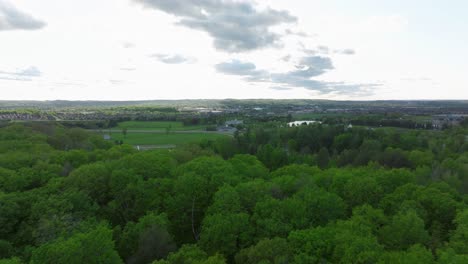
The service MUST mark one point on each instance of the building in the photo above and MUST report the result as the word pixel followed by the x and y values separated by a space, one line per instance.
pixel 234 122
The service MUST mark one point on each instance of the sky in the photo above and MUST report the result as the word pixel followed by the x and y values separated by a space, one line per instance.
pixel 216 49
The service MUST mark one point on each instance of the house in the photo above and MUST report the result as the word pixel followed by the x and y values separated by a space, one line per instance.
pixel 448 120
pixel 234 122
pixel 226 129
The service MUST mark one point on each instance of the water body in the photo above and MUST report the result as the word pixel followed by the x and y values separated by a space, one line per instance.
pixel 303 122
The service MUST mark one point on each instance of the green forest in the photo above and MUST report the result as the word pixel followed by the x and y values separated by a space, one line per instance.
pixel 269 194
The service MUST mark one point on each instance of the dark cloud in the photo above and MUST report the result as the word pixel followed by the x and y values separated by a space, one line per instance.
pixel 302 77
pixel 21 75
pixel 312 66
pixel 13 19
pixel 173 58
pixel 236 67
pixel 235 26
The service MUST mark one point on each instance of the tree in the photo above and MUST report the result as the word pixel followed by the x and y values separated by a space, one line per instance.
pixel 323 158
pixel 225 233
pixel 369 217
pixel 146 240
pixel 248 166
pixel 355 243
pixel 6 249
pixel 405 230
pixel 252 192
pixel 421 158
pixel 95 247
pixel 361 190
pixel 459 238
pixel 273 217
pixel 322 207
pixel 191 254
pixel 225 200
pixel 93 180
pixel 394 158
pixel 272 157
pixel 416 254
pixel 225 147
pixel 449 256
pixel 168 129
pixel 195 185
pixel 148 164
pixel 314 245
pixel 11 261
pixel 268 251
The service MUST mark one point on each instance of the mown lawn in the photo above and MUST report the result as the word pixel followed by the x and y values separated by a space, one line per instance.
pixel 158 125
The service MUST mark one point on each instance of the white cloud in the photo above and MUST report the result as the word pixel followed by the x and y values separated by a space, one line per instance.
pixel 13 19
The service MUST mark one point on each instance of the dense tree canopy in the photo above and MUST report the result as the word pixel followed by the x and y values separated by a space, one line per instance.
pixel 270 194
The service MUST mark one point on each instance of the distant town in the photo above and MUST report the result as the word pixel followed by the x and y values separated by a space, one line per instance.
pixel 227 114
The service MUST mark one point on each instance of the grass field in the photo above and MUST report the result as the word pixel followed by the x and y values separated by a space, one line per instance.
pixel 164 139
pixel 158 125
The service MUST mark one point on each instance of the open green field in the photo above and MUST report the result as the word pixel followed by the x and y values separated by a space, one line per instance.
pixel 165 139
pixel 158 125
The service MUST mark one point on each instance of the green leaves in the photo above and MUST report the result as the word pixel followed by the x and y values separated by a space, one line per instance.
pixel 72 206
pixel 271 251
pixel 405 230
pixel 459 238
pixel 95 247
pixel 146 240
pixel 225 233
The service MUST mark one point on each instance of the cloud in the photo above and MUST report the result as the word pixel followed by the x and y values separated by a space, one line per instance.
pixel 306 69
pixel 280 88
pixel 235 26
pixel 324 50
pixel 13 19
pixel 128 45
pixel 173 58
pixel 345 52
pixel 413 79
pixel 236 67
pixel 21 74
pixel 321 49
pixel 286 58
pixel 29 72
pixel 117 82
pixel 298 33
pixel 127 69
